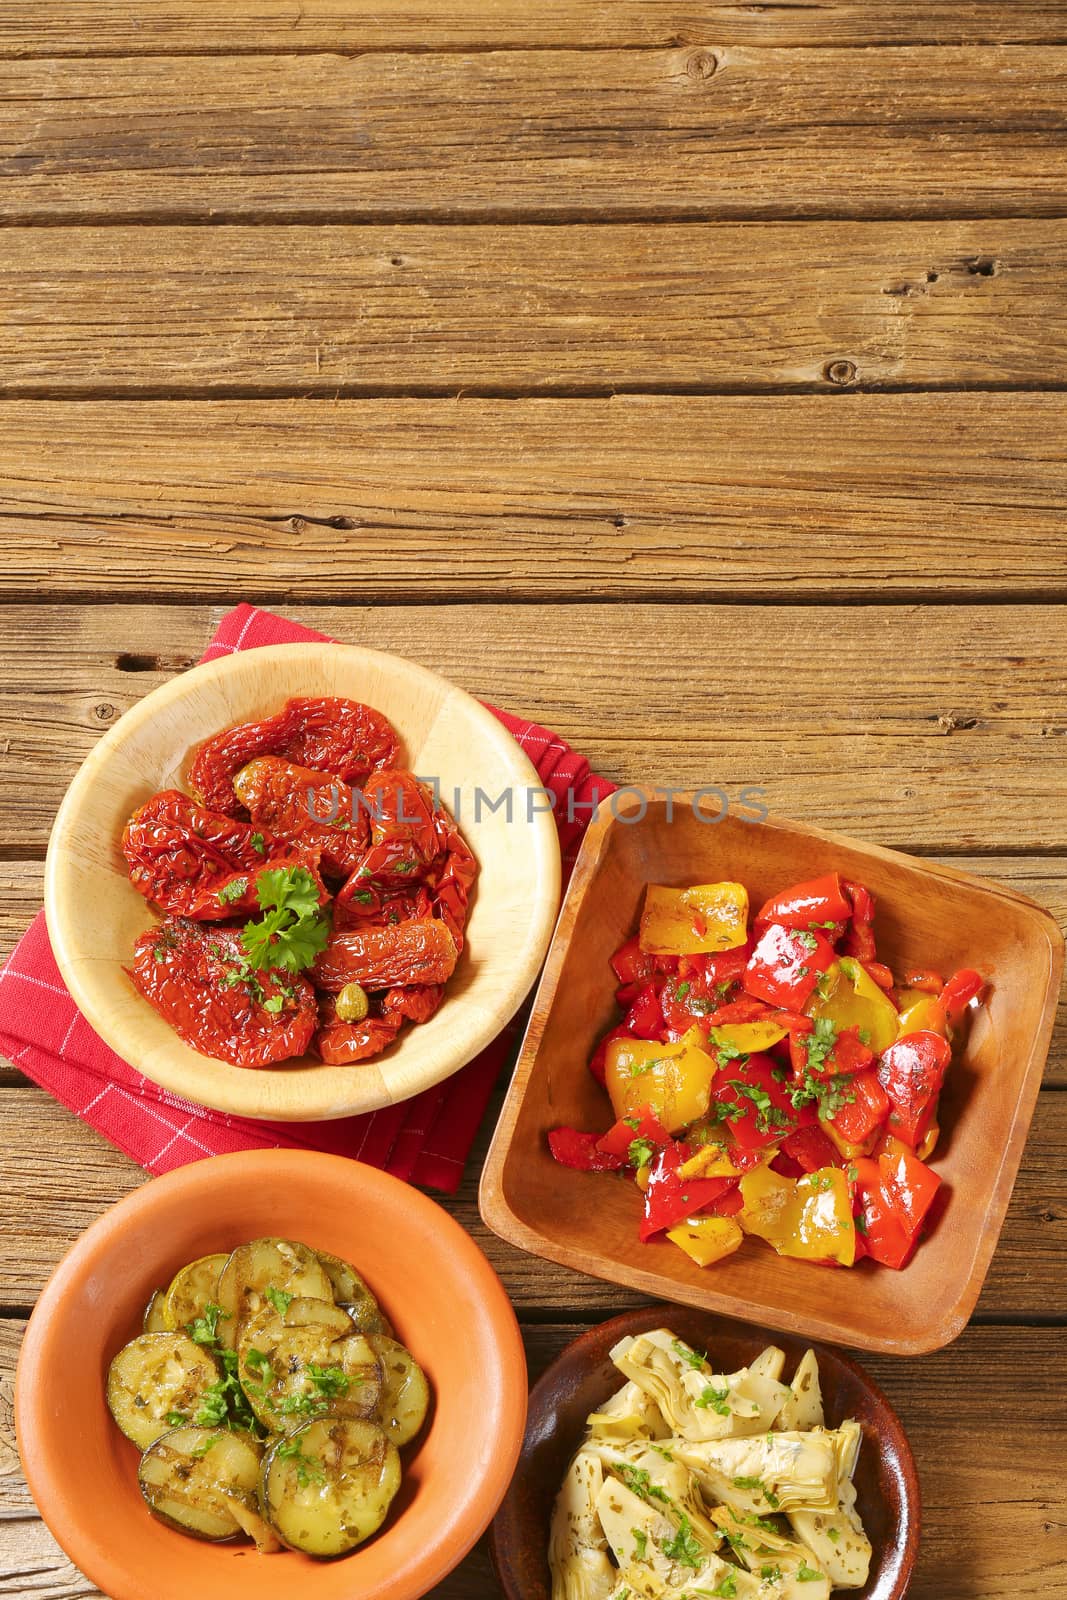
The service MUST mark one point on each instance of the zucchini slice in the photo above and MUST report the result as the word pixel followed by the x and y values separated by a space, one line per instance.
pixel 405 1392
pixel 350 1291
pixel 193 1288
pixel 292 1374
pixel 156 1377
pixel 155 1314
pixel 192 1478
pixel 283 1266
pixel 328 1486
pixel 308 1313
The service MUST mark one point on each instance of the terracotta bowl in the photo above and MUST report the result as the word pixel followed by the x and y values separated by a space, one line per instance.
pixel 94 913
pixel 582 1379
pixel 929 916
pixel 434 1284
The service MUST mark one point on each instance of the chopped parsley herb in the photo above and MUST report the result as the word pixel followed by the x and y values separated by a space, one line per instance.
pixel 258 843
pixel 640 1153
pixel 692 1358
pixel 176 1418
pixel 279 1299
pixel 256 1360
pixel 726 1588
pixel 681 990
pixel 833 1534
pixel 802 971
pixel 829 1094
pixel 632 1122
pixel 232 891
pixel 824 985
pixel 274 1004
pixel 658 1448
pixel 404 866
pixel 683 1548
pixel 770 1574
pixel 364 896
pixel 640 1542
pixel 768 1115
pixel 208 1444
pixel 329 1381
pixel 861 1223
pixel 715 1399
pixel 638 1481
pixel 729 1052
pixel 819 1043
pixel 214 1405
pixel 301 1405
pixel 308 1468
pixel 757 1486
pixel 865 1036
pixel 820 1182
pixel 808 940
pixel 205 1328
pixel 806 1574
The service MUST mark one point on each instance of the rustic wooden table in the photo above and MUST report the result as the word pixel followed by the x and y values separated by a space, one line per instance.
pixel 688 376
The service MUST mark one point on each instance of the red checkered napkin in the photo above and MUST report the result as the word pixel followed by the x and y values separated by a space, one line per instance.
pixel 425 1140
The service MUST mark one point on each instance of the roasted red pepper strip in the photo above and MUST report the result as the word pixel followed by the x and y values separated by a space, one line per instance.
pixel 824 1054
pixel 645 1129
pixel 644 1020
pixel 879 973
pixel 963 987
pixel 811 1149
pixel 572 1148
pixel 807 905
pixel 926 979
pixel 631 964
pixel 669 1198
pixel 859 934
pixel 911 1072
pixel 785 966
pixel 867 1110
pixel 757 1108
pixel 913 1185
pixel 878 1222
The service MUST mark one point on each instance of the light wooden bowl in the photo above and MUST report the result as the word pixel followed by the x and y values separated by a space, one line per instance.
pixel 928 916
pixel 94 913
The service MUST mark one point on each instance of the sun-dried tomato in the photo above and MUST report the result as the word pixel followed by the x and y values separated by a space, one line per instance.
pixel 197 978
pixel 194 863
pixel 306 807
pixel 342 1043
pixel 326 734
pixel 419 951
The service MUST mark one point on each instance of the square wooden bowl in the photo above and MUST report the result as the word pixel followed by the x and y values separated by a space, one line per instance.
pixel 930 916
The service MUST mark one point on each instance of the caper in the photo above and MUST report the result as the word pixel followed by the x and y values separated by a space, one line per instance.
pixel 352 1004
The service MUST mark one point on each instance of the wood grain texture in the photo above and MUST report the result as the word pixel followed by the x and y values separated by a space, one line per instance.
pixel 329 310
pixel 967 1487
pixel 690 132
pixel 928 728
pixel 765 498
pixel 83 1175
pixel 98 27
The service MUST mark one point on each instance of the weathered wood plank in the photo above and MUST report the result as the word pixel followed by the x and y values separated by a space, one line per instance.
pixel 22 884
pixel 1007 1500
pixel 108 27
pixel 702 498
pixel 727 131
pixel 54 1201
pixel 932 728
pixel 328 310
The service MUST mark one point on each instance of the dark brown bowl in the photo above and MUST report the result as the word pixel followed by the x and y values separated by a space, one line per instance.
pixel 583 1377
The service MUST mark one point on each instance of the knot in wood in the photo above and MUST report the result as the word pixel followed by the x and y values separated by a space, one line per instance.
pixel 702 64
pixel 840 372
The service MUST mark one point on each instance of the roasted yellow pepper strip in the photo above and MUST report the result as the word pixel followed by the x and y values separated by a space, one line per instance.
pixel 672 1080
pixel 707 1239
pixel 850 998
pixel 749 1037
pixel 696 921
pixel 810 1217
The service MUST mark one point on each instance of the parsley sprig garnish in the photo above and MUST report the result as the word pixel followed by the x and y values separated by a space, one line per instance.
pixel 293 929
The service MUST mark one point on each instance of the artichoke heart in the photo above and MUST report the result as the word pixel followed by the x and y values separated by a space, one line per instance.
pixel 629 1414
pixel 697 1403
pixel 776 1472
pixel 577 1549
